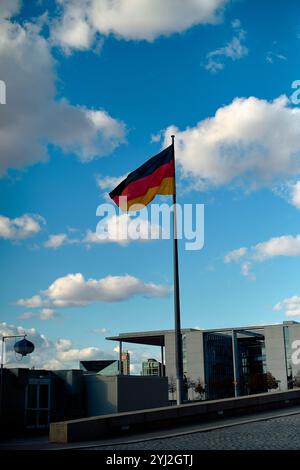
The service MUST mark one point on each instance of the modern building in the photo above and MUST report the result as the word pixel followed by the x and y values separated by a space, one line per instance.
pixel 107 367
pixel 217 364
pixel 228 361
pixel 125 361
pixel 152 367
pixel 34 398
pixel 100 367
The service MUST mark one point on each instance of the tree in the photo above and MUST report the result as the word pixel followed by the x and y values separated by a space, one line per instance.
pixel 190 384
pixel 272 383
pixel 199 388
pixel 296 381
pixel 172 386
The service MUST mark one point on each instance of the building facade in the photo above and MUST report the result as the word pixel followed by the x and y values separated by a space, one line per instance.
pixel 229 361
pixel 152 367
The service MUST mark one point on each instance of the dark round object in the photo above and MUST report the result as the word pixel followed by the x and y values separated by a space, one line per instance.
pixel 24 347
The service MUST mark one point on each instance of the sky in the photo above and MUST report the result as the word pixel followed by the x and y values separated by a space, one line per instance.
pixel 94 89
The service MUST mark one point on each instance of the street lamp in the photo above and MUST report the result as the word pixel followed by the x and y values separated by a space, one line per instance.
pixel 22 347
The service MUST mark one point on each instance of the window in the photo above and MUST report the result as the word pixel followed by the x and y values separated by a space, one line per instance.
pixel 37 403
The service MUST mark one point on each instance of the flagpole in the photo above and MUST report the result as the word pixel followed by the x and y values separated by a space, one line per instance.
pixel 178 338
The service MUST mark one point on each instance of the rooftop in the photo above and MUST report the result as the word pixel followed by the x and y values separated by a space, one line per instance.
pixel 157 338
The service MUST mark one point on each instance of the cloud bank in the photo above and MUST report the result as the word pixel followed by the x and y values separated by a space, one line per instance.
pixel 34 115
pixel 74 290
pixel 60 354
pixel 81 21
pixel 21 227
pixel 251 143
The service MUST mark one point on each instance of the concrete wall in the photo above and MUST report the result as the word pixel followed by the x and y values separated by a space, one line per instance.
pixel 137 393
pixel 194 355
pixel 275 353
pixel 101 394
pixel 195 358
pixel 102 426
pixel 115 394
pixel 13 402
pixel 170 355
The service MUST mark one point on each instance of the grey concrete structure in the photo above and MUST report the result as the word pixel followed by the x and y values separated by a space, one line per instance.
pixel 33 398
pixel 275 354
pixel 229 361
pixel 101 426
pixel 120 393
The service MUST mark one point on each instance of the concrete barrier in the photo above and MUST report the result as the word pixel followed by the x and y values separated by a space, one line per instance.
pixel 101 426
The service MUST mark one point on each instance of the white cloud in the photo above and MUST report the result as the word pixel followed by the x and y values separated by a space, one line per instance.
pixel 60 354
pixel 82 20
pixel 235 255
pixel 63 344
pixel 156 137
pixel 74 290
pixel 58 240
pixel 124 229
pixel 9 8
pixel 101 331
pixel 289 191
pixel 238 256
pixel 34 115
pixel 44 314
pixel 121 229
pixel 290 306
pixel 246 270
pixel 234 50
pixel 75 354
pixel 272 56
pixel 295 195
pixel 27 316
pixel 250 143
pixel 285 245
pixel 21 227
pixel 109 182
pixel 33 302
pixel 47 314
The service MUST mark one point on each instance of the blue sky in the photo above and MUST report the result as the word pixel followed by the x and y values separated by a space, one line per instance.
pixel 62 63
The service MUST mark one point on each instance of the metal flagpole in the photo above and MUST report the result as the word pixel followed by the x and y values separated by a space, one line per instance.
pixel 178 338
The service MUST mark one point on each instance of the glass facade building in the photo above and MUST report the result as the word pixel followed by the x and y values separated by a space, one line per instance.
pixel 151 367
pixel 218 366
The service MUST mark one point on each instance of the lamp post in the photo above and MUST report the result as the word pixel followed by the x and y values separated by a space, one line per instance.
pixel 22 347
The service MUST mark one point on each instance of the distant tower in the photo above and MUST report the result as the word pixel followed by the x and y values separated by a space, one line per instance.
pixel 151 367
pixel 125 363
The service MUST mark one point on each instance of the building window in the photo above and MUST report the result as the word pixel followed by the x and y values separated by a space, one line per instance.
pixel 37 403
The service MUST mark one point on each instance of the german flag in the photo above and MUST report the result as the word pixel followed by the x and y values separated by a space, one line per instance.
pixel 156 176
